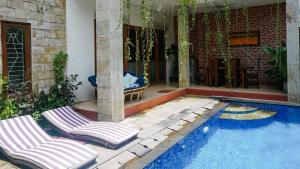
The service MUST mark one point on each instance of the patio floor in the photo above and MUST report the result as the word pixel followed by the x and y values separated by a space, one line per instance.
pixel 156 91
pixel 155 125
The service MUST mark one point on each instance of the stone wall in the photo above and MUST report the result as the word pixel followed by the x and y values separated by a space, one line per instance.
pixel 48 33
pixel 261 19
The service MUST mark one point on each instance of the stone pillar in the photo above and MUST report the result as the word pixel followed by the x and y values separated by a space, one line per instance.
pixel 110 100
pixel 293 61
pixel 183 53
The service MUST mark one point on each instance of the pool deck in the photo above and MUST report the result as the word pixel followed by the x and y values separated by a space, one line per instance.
pixel 160 127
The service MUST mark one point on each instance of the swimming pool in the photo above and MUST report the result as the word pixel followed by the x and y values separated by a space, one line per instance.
pixel 270 143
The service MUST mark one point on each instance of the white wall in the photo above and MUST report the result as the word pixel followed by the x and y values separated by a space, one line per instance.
pixel 80 43
pixel 136 19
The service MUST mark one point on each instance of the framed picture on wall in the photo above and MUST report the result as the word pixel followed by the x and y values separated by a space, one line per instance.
pixel 245 39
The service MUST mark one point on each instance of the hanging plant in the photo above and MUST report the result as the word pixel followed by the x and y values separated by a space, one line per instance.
pixel 147 34
pixel 128 44
pixel 245 12
pixel 228 55
pixel 219 35
pixel 207 34
pixel 185 6
pixel 278 25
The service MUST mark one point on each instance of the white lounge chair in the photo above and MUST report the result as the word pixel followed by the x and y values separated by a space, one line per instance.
pixel 25 143
pixel 75 126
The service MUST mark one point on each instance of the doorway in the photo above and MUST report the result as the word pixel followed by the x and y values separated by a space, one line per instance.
pixel 133 61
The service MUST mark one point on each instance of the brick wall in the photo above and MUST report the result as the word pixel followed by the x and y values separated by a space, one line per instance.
pixel 261 19
pixel 48 33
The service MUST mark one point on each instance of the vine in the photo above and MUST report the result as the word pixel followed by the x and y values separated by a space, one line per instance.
pixel 183 12
pixel 245 12
pixel 278 25
pixel 219 36
pixel 147 33
pixel 207 34
pixel 228 55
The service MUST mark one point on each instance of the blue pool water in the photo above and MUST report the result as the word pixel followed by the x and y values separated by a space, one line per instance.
pixel 272 143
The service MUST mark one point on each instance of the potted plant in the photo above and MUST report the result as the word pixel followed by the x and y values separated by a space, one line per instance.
pixel 172 54
pixel 278 62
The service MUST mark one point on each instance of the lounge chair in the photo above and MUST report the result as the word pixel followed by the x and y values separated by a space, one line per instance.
pixel 132 93
pixel 75 126
pixel 25 143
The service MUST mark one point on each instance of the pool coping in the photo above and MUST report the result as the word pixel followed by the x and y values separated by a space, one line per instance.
pixel 247 100
pixel 173 138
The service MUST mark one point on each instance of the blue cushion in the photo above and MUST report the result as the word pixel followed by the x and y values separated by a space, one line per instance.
pixel 129 81
pixel 92 80
pixel 140 81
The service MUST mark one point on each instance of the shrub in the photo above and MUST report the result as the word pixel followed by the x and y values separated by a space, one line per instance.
pixel 59 95
pixel 8 107
pixel 22 101
pixel 59 67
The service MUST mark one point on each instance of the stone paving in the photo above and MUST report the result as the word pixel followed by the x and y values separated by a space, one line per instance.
pixel 155 125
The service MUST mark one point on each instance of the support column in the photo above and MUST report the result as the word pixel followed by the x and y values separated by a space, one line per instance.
pixel 110 100
pixel 293 61
pixel 183 53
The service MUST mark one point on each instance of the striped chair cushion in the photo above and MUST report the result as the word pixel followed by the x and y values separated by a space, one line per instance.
pixel 112 133
pixel 71 122
pixel 66 119
pixel 22 139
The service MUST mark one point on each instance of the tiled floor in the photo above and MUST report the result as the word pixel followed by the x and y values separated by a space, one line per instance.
pixel 153 92
pixel 150 92
pixel 155 125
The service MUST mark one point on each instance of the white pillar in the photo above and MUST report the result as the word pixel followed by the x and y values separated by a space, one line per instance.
pixel 183 53
pixel 109 32
pixel 293 61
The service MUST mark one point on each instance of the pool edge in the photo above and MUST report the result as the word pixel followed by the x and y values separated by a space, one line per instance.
pixel 141 162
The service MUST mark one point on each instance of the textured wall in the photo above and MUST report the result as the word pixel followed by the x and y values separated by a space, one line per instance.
pixel 110 100
pixel 293 61
pixel 261 19
pixel 48 33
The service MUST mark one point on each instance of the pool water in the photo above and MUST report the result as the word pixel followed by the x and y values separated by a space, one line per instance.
pixel 272 143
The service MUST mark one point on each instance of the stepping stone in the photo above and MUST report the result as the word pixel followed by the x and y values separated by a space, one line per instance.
pixel 150 143
pixel 125 157
pixel 200 112
pixel 175 127
pixel 139 150
pixel 209 106
pixel 167 132
pixel 149 131
pixel 159 137
pixel 181 123
pixel 190 118
pixel 111 164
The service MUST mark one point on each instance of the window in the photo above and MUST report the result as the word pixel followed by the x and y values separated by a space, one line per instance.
pixel 16 50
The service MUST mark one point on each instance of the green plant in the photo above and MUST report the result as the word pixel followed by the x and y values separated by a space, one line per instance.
pixel 8 107
pixel 59 66
pixel 59 95
pixel 207 34
pixel 278 62
pixel 24 97
pixel 185 6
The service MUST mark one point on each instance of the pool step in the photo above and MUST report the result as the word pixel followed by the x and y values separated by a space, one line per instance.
pixel 257 115
pixel 239 109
